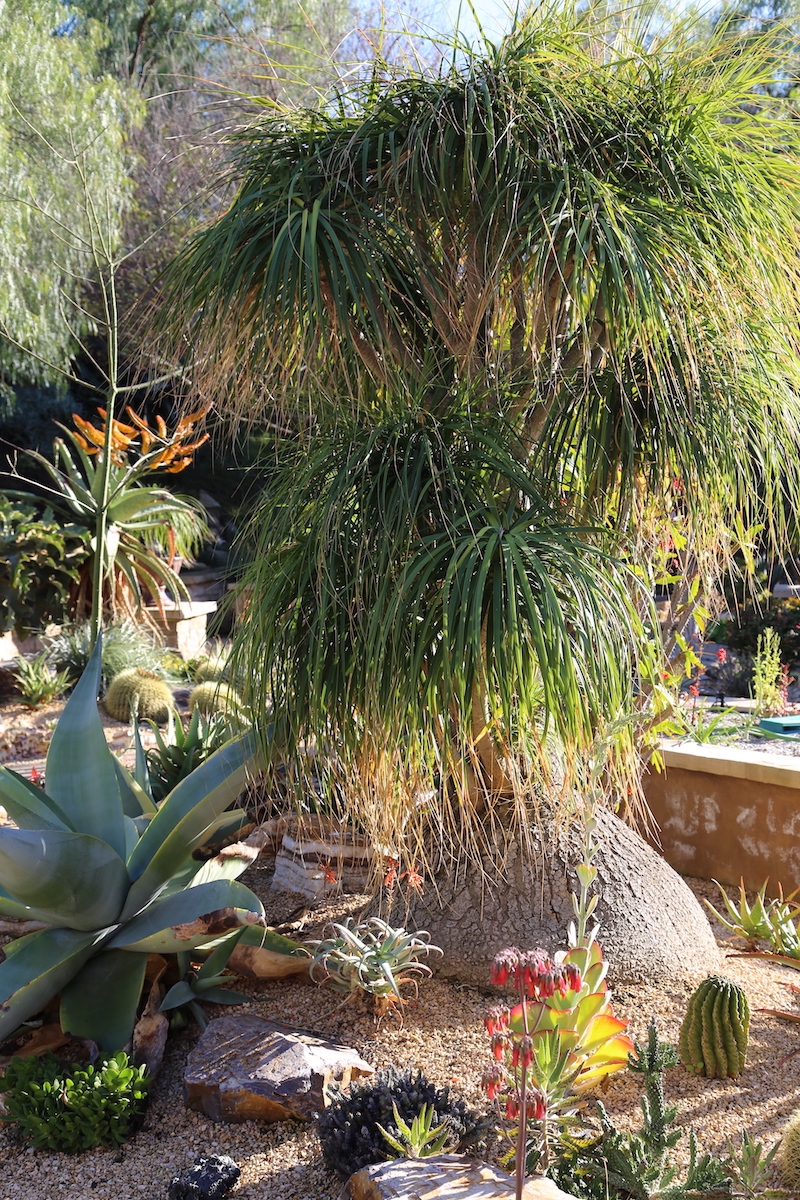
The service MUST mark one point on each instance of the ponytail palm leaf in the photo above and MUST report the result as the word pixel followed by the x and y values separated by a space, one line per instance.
pixel 501 307
pixel 109 909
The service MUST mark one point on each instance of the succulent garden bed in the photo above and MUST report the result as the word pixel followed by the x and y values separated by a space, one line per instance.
pixel 442 1033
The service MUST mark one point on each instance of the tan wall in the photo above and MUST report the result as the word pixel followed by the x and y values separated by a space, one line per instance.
pixel 727 814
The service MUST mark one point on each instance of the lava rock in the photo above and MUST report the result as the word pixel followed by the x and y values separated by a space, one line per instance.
pixel 211 1177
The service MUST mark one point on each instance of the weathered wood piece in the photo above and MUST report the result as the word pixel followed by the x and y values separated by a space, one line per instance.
pixel 443 1177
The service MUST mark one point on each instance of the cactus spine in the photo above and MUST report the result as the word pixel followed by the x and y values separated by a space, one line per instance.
pixel 713 1039
pixel 140 690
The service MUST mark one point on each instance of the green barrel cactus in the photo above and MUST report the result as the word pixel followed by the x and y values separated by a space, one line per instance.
pixel 141 690
pixel 789 1154
pixel 713 1040
pixel 215 697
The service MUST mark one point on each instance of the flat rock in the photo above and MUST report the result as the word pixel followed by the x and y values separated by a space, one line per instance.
pixel 247 1069
pixel 443 1177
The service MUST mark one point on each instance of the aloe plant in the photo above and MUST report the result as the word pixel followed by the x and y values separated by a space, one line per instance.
pixel 112 875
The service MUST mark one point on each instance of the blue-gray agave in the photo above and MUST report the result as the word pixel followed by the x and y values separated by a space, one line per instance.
pixel 112 875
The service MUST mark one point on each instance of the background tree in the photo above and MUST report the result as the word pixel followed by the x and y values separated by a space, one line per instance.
pixel 503 308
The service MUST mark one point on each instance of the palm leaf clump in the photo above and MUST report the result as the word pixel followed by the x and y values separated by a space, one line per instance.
pixel 500 309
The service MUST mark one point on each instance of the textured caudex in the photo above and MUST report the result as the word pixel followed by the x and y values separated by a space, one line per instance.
pixel 713 1039
pixel 141 691
pixel 788 1157
pixel 212 696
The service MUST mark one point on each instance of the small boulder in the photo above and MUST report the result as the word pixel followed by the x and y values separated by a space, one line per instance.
pixel 443 1177
pixel 210 1178
pixel 245 1068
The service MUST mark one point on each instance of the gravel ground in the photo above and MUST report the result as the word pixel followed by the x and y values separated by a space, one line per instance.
pixel 441 1032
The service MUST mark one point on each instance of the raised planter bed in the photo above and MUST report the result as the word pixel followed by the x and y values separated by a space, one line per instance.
pixel 726 813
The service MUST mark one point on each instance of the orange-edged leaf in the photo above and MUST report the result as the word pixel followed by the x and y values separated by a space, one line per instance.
pixel 588 1008
pixel 602 1029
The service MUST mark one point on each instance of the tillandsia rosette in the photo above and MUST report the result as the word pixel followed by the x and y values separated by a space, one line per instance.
pixel 113 875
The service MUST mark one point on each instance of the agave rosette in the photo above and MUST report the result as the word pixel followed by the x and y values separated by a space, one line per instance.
pixel 594 1040
pixel 112 875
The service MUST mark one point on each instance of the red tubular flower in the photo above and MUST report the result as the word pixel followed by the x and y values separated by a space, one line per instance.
pixel 573 977
pixel 722 655
pixel 512 1107
pixel 536 1104
pixel 504 964
pixel 526 1051
pixel 496 1019
pixel 694 690
pixel 498 1043
pixel 492 1080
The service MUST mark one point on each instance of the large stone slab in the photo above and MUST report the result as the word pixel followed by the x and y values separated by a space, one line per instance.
pixel 245 1068
pixel 443 1177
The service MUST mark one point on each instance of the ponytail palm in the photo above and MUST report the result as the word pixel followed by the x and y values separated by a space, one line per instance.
pixel 501 307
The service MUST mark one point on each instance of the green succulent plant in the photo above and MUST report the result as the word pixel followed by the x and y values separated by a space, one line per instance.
pixel 179 752
pixel 713 1039
pixel 141 691
pixel 75 1108
pixel 113 877
pixel 370 957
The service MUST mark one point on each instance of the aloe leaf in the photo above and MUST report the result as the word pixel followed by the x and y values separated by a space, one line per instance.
pixel 189 918
pixel 100 1002
pixel 180 993
pixel 184 818
pixel 79 880
pixel 27 805
pixel 221 995
pixel 80 771
pixel 35 968
pixel 218 959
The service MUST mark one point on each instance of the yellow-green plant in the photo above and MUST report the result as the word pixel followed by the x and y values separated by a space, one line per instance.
pixel 769 675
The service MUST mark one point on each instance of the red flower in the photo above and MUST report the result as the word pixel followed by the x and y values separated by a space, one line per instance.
pixel 536 1104
pixel 413 879
pixel 512 1107
pixel 504 964
pixel 496 1019
pixel 694 690
pixel 498 1043
pixel 390 878
pixel 722 655
pixel 492 1080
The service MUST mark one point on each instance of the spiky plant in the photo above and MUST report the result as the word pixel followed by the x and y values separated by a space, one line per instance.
pixel 713 1039
pixel 520 297
pixel 139 692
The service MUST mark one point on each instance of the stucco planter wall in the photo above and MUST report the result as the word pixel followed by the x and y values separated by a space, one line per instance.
pixel 725 813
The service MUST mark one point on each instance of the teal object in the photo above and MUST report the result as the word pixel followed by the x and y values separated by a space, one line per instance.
pixel 784 725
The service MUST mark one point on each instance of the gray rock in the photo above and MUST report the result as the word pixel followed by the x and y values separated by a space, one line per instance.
pixel 210 1177
pixel 245 1068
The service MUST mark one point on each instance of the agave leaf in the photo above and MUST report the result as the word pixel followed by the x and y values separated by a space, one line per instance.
pixel 27 805
pixel 79 881
pixel 80 772
pixel 221 995
pixel 35 968
pixel 190 918
pixel 184 818
pixel 115 979
pixel 9 907
pixel 135 799
pixel 218 959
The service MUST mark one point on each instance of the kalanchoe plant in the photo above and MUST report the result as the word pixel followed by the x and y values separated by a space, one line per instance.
pixel 371 957
pixel 112 875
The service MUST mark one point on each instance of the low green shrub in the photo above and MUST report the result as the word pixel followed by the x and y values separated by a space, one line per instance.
pixel 74 1108
pixel 743 632
pixel 40 558
pixel 124 646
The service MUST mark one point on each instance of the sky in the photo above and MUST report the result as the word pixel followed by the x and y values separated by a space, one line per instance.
pixel 495 16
